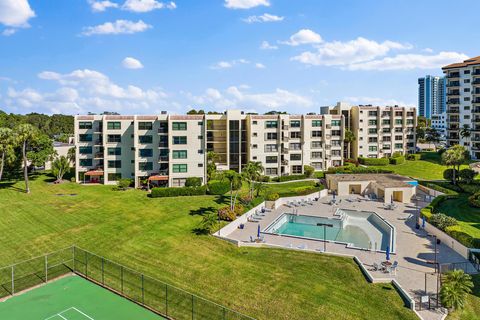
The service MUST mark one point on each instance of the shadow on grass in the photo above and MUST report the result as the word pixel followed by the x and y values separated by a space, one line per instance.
pixel 11 186
pixel 203 211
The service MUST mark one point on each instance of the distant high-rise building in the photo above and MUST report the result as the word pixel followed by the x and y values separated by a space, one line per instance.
pixel 431 96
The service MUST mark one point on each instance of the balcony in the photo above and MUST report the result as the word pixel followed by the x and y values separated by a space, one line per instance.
pixel 452 84
pixel 453 110
pixel 98 142
pixel 476 119
pixel 476 100
pixel 284 162
pixel 163 130
pixel 285 127
pixel 453 75
pixel 216 127
pixel 163 145
pixel 98 129
pixel 453 93
pixel 218 139
pixel 476 82
pixel 476 110
pixel 453 101
pixel 453 128
pixel 98 155
pixel 285 139
pixel 476 72
pixel 163 158
pixel 285 150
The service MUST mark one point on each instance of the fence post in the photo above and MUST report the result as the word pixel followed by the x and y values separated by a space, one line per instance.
pixel 166 299
pixel 74 264
pixel 121 277
pixel 86 264
pixel 103 272
pixel 143 291
pixel 46 268
pixel 193 310
pixel 13 280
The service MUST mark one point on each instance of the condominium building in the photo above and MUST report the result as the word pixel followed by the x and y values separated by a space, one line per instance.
pixel 431 96
pixel 463 104
pixel 168 149
pixel 439 123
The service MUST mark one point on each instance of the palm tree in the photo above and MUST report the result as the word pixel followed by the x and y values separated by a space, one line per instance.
pixel 466 132
pixel 211 166
pixel 235 180
pixel 71 155
pixel 455 156
pixel 7 145
pixel 253 171
pixel 456 285
pixel 259 187
pixel 348 139
pixel 60 166
pixel 208 222
pixel 25 134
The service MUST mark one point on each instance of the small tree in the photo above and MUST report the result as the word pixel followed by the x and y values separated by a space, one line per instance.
pixel 7 148
pixel 467 175
pixel 348 139
pixel 259 187
pixel 71 155
pixel 211 166
pixel 208 223
pixel 450 174
pixel 24 135
pixel 60 166
pixel 123 184
pixel 308 171
pixel 455 156
pixel 235 180
pixel 466 132
pixel 456 285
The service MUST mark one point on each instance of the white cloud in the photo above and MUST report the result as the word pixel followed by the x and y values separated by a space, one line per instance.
pixel 245 4
pixel 267 46
pixel 266 17
pixel 100 6
pixel 8 32
pixel 376 101
pixel 259 65
pixel 304 36
pixel 117 27
pixel 15 13
pixel 410 61
pixel 131 63
pixel 339 53
pixel 146 5
pixel 228 64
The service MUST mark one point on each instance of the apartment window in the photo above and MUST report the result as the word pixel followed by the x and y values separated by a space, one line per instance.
pixel 200 123
pixel 254 158
pixel 114 151
pixel 466 81
pixel 372 148
pixel 387 139
pixel 316 134
pixel 86 162
pixel 114 125
pixel 296 169
pixel 254 146
pixel 316 144
pixel 372 122
pixel 271 148
pixel 398 138
pixel 295 146
pixel 178 182
pixel 271 124
pixel 316 123
pixel 295 135
pixel 85 150
pixel 296 156
pixel 336 143
pixel 336 122
pixel 398 130
pixel 114 176
pixel 85 137
pixel 466 117
pixel 115 138
pixel 178 168
pixel 398 146
pixel 336 153
pixel 386 147
pixel 271 159
pixel 466 89
pixel 410 136
pixel 271 136
pixel 466 108
pixel 85 125
pixel 336 133
pixel 372 113
pixel 254 122
pixel 254 134
pixel 372 130
pixel 179 154
pixel 146 153
pixel 316 155
pixel 409 121
pixel 386 121
pixel 115 164
pixel 466 99
pixel 295 123
pixel 145 139
pixel 271 171
pixel 145 126
pixel 145 166
pixel 179 126
pixel 398 121
pixel 398 113
pixel 466 71
pixel 179 140
pixel 372 139
pixel 200 165
pixel 317 165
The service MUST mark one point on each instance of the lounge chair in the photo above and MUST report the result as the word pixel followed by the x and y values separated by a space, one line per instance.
pixel 376 267
pixel 394 267
pixel 252 239
pixel 251 219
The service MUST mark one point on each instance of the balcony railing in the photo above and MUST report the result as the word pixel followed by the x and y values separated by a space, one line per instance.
pixel 98 142
pixel 476 72
pixel 453 75
pixel 453 101
pixel 476 81
pixel 285 139
pixel 453 93
pixel 476 100
pixel 162 130
pixel 163 145
pixel 476 110
pixel 98 155
pixel 453 110
pixel 163 158
pixel 285 150
pixel 453 84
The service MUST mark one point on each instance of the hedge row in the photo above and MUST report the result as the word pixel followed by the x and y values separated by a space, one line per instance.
pixel 178 192
pixel 352 169
pixel 289 178
pixel 217 187
pixel 373 161
pixel 397 160
pixel 414 157
pixel 443 187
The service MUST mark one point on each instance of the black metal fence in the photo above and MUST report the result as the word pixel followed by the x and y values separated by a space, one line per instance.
pixel 467 266
pixel 148 292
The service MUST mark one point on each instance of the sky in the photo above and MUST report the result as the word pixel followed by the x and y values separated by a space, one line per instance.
pixel 147 56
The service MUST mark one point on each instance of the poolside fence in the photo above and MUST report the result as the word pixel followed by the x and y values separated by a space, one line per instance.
pixel 157 296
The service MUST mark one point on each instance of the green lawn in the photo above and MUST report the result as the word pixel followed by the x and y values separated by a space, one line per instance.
pixel 468 217
pixel 156 237
pixel 289 189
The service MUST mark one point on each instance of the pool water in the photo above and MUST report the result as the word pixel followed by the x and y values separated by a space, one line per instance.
pixel 360 229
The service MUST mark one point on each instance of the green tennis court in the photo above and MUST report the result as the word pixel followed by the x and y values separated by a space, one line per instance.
pixel 72 298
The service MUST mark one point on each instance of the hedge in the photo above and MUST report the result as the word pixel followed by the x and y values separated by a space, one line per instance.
pixel 178 192
pixel 414 157
pixel 351 169
pixel 443 187
pixel 289 178
pixel 193 182
pixel 217 187
pixel 397 160
pixel 373 161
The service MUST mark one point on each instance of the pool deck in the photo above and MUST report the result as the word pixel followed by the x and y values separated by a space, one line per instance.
pixel 413 248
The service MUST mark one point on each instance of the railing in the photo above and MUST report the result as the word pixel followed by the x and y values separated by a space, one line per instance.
pixel 453 75
pixel 467 267
pixel 453 101
pixel 476 81
pixel 163 145
pixel 453 93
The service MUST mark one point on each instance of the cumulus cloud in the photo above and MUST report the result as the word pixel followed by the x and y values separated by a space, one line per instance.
pixel 146 5
pixel 8 32
pixel 228 64
pixel 131 63
pixel 100 6
pixel 304 36
pixel 15 13
pixel 117 27
pixel 267 46
pixel 266 17
pixel 245 4
pixel 259 65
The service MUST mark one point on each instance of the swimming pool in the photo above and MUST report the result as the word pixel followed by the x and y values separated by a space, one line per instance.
pixel 357 229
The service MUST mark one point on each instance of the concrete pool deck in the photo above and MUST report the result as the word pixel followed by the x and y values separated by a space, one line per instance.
pixel 413 251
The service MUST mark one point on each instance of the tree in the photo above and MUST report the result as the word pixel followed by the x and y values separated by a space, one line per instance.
pixel 252 171
pixel 41 150
pixel 348 139
pixel 467 175
pixel 466 132
pixel 235 180
pixel 308 170
pixel 432 135
pixel 60 166
pixel 7 148
pixel 25 134
pixel 208 223
pixel 259 187
pixel 456 285
pixel 71 155
pixel 455 156
pixel 211 166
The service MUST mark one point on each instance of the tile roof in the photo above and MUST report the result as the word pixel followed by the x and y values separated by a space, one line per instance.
pixel 468 62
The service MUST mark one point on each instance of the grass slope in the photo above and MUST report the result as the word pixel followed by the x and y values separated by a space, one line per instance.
pixel 467 216
pixel 155 236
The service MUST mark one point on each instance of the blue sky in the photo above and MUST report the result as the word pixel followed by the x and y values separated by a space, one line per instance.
pixel 144 56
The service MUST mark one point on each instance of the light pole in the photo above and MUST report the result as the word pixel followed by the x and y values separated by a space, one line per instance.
pixel 325 225
pixel 435 249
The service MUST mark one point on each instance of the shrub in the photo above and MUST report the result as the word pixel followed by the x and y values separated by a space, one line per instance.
pixel 239 209
pixel 216 187
pixel 464 238
pixel 474 200
pixel 123 184
pixel 319 174
pixel 373 161
pixel 414 157
pixel 193 182
pixel 448 174
pixel 272 197
pixel 467 175
pixel 470 188
pixel 226 214
pixel 264 179
pixel 396 160
pixel 308 171
pixel 442 221
pixel 351 169
pixel 72 179
pixel 302 191
pixel 289 178
pixel 246 199
pixel 178 192
pixel 441 151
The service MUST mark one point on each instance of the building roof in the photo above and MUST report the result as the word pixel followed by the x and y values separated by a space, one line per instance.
pixel 386 180
pixel 466 63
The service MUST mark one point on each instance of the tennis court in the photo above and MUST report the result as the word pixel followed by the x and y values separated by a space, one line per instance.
pixel 72 298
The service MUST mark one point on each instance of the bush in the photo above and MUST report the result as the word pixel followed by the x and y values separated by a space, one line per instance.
pixel 72 179
pixel 264 179
pixel 414 157
pixel 239 209
pixel 308 171
pixel 396 160
pixel 373 161
pixel 123 184
pixel 193 182
pixel 467 175
pixel 474 200
pixel 216 187
pixel 302 191
pixel 178 192
pixel 464 238
pixel 226 214
pixel 351 169
pixel 441 151
pixel 442 221
pixel 469 188
pixel 448 174
pixel 272 197
pixel 319 174
pixel 289 178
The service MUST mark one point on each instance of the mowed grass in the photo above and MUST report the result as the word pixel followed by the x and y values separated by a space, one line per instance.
pixel 468 217
pixel 155 236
